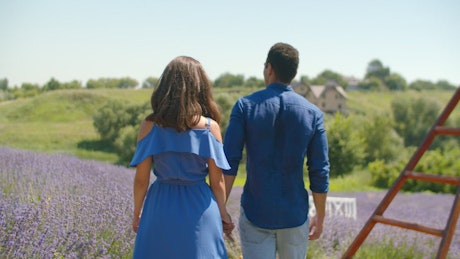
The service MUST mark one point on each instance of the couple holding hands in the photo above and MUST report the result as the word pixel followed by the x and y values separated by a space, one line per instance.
pixel 179 215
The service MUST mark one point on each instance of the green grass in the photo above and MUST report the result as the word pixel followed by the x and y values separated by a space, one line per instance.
pixel 55 137
pixel 380 102
pixel 62 121
pixel 359 180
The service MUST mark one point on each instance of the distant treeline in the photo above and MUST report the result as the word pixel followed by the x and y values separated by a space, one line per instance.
pixel 376 78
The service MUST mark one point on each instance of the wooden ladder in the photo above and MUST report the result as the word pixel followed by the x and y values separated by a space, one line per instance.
pixel 377 217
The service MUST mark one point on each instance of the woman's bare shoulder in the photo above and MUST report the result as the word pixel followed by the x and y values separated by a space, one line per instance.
pixel 146 127
pixel 215 130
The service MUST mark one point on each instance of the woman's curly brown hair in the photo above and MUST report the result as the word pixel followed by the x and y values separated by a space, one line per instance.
pixel 183 95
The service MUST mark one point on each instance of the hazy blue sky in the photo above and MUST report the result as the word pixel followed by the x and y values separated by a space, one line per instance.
pixel 89 39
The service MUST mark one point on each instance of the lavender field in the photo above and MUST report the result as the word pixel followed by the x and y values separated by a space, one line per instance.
pixel 58 206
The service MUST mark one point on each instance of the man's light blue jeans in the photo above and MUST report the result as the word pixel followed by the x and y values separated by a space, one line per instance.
pixel 289 243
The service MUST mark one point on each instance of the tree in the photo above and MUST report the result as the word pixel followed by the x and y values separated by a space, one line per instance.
pixel 29 90
pixel 94 84
pixel 254 82
pixel 381 142
pixel 4 84
pixel 304 79
pixel 371 84
pixel 439 161
pixel 329 77
pixel 445 85
pixel 376 69
pixel 118 125
pixel 30 86
pixel 395 82
pixel 413 118
pixel 346 149
pixel 51 85
pixel 74 84
pixel 110 119
pixel 384 174
pixel 127 82
pixel 125 144
pixel 124 82
pixel 225 107
pixel 422 85
pixel 229 80
pixel 150 82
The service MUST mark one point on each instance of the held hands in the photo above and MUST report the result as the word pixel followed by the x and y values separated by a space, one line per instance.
pixel 315 228
pixel 228 226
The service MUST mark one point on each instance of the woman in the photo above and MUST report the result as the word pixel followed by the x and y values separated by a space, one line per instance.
pixel 182 216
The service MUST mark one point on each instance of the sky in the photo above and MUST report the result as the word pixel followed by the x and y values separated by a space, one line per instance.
pixel 90 39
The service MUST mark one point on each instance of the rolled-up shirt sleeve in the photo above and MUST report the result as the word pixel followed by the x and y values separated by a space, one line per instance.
pixel 318 159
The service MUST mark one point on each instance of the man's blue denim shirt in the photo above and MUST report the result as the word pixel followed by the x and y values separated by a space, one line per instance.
pixel 279 128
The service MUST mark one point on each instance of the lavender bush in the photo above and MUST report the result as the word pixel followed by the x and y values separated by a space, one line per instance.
pixel 58 206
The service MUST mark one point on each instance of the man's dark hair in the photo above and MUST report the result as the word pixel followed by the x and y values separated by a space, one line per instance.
pixel 284 59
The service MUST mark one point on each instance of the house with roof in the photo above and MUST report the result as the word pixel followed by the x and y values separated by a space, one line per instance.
pixel 330 98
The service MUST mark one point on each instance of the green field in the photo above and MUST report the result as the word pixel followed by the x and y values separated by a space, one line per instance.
pixel 62 121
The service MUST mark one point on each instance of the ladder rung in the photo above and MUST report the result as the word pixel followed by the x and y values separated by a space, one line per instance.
pixel 408 225
pixel 447 131
pixel 454 180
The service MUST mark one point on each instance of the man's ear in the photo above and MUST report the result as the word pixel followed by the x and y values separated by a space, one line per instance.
pixel 269 68
pixel 271 72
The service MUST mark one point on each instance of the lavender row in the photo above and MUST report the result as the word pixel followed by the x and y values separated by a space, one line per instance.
pixel 58 206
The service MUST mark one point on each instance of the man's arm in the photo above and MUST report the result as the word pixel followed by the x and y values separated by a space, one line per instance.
pixel 233 145
pixel 318 164
pixel 229 180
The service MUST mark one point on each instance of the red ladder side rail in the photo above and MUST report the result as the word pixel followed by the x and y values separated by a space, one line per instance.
pixel 450 228
pixel 377 216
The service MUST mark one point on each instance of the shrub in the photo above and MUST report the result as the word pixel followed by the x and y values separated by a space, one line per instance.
pixel 433 162
pixel 114 116
pixel 346 149
pixel 125 144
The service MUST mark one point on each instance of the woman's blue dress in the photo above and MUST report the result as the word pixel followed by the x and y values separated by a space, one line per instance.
pixel 180 217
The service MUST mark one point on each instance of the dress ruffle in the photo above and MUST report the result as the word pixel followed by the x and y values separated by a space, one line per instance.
pixel 197 141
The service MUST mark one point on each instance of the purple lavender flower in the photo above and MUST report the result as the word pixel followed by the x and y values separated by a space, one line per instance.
pixel 61 206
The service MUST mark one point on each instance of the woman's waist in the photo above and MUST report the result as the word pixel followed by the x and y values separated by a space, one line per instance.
pixel 180 181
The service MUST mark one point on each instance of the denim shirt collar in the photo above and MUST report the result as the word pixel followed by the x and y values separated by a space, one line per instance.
pixel 280 86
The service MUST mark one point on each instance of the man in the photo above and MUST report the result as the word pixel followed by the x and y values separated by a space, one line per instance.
pixel 279 128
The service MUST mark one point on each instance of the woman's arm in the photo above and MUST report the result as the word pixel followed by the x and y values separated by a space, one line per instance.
pixel 216 180
pixel 141 185
pixel 217 183
pixel 142 178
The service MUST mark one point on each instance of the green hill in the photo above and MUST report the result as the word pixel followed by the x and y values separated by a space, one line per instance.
pixel 380 102
pixel 65 106
pixel 62 121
